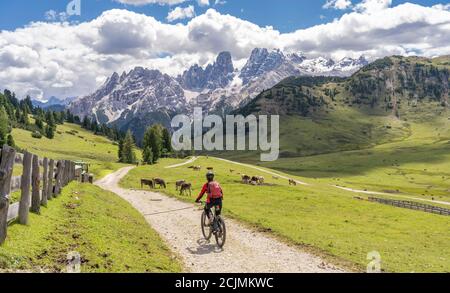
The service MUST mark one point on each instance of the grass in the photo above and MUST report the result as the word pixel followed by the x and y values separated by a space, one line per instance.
pixel 321 218
pixel 109 234
pixel 71 142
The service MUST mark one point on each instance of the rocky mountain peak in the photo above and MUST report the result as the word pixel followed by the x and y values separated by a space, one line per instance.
pixel 216 75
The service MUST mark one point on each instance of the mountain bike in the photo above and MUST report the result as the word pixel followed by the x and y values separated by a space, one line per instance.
pixel 208 224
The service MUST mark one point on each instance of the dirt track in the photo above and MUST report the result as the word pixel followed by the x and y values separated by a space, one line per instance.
pixel 245 251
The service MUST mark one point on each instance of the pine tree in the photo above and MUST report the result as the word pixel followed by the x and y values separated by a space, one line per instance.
pixel 50 119
pixel 166 140
pixel 147 156
pixel 49 132
pixel 153 140
pixel 4 125
pixel 127 153
pixel 10 141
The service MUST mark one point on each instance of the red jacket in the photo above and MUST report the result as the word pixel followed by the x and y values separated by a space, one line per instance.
pixel 205 190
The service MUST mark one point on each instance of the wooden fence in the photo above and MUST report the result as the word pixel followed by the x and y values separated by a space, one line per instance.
pixel 412 205
pixel 41 180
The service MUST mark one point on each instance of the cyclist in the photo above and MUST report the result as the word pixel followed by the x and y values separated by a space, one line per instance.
pixel 214 198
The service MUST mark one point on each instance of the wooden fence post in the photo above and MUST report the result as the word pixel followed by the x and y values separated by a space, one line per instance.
pixel 51 174
pixel 36 186
pixel 59 175
pixel 66 172
pixel 24 205
pixel 8 156
pixel 45 183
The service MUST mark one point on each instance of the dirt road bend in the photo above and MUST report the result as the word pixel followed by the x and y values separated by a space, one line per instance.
pixel 246 250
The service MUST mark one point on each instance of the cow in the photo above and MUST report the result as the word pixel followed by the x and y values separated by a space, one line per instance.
pixel 261 180
pixel 245 179
pixel 148 183
pixel 231 171
pixel 160 182
pixel 292 182
pixel 179 183
pixel 210 168
pixel 197 168
pixel 185 188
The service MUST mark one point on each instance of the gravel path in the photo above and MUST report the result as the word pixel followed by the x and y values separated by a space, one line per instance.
pixel 246 251
pixel 191 160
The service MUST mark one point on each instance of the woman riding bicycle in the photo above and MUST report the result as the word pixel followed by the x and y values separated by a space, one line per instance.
pixel 214 198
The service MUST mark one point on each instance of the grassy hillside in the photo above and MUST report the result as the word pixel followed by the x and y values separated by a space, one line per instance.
pixel 386 128
pixel 109 234
pixel 321 218
pixel 73 143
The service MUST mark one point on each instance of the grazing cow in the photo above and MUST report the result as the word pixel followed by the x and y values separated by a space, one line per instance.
pixel 160 182
pixel 292 182
pixel 261 180
pixel 197 168
pixel 185 188
pixel 148 183
pixel 245 179
pixel 231 171
pixel 179 183
pixel 253 183
pixel 210 168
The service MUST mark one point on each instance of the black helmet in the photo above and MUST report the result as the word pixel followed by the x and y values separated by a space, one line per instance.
pixel 210 176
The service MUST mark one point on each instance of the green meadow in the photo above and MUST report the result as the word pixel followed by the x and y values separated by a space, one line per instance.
pixel 318 217
pixel 109 234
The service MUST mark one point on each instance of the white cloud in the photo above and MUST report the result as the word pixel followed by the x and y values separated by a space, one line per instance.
pixel 442 6
pixel 337 4
pixel 370 6
pixel 73 59
pixel 145 2
pixel 203 2
pixel 181 13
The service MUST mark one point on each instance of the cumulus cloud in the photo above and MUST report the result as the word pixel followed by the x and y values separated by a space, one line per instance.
pixel 203 2
pixel 181 13
pixel 369 6
pixel 337 4
pixel 74 59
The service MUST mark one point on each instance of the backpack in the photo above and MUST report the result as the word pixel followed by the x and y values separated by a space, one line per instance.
pixel 214 190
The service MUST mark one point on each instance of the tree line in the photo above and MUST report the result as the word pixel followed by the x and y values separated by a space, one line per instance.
pixel 156 144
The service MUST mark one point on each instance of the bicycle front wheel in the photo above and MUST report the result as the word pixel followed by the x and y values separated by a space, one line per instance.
pixel 206 226
pixel 221 234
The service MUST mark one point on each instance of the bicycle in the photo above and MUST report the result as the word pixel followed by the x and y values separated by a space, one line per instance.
pixel 207 227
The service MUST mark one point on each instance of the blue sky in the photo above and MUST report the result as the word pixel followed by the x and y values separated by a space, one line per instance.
pixel 283 15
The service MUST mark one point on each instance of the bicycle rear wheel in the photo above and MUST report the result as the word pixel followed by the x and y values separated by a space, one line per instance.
pixel 206 226
pixel 221 234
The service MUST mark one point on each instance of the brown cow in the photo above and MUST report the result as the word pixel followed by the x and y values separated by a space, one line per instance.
pixel 148 183
pixel 185 188
pixel 210 168
pixel 292 182
pixel 245 179
pixel 160 182
pixel 179 183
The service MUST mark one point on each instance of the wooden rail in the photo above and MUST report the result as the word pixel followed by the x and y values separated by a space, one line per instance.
pixel 41 180
pixel 412 206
